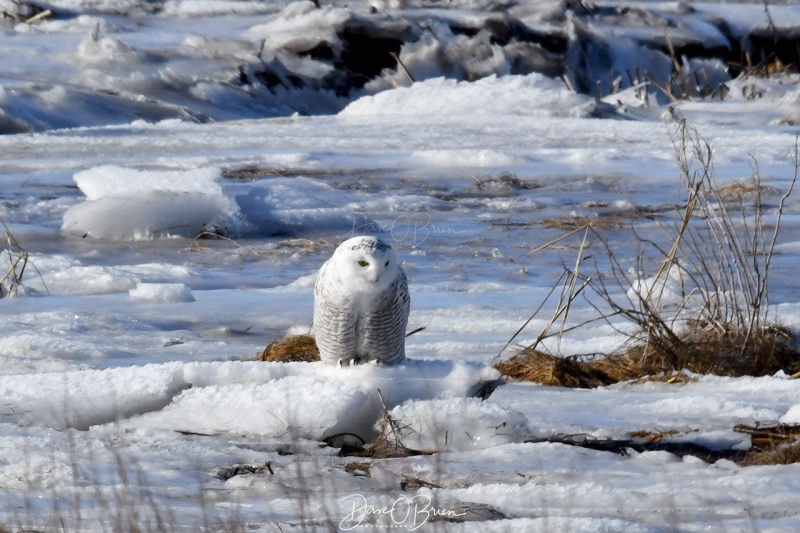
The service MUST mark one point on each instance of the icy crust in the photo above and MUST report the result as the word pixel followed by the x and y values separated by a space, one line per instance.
pixel 288 205
pixel 109 181
pixel 298 400
pixel 81 399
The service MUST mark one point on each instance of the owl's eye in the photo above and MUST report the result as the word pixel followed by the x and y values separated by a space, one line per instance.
pixel 363 263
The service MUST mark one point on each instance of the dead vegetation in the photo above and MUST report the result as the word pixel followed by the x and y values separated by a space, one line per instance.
pixel 774 444
pixel 15 264
pixel 387 445
pixel 706 307
pixel 294 348
pixel 784 454
pixel 547 369
pixel 603 219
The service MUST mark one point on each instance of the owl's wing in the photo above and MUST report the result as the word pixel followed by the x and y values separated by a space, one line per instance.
pixel 385 327
pixel 335 322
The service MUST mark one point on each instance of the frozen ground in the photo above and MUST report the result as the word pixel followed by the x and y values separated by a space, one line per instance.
pixel 129 394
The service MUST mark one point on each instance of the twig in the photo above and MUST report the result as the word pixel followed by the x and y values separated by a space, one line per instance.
pixel 514 336
pixel 661 88
pixel 403 66
pixel 46 14
pixel 415 331
pixel 558 239
pixel 775 34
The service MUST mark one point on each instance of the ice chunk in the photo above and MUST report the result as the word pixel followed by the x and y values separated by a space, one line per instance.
pixel 162 293
pixel 155 214
pixel 128 204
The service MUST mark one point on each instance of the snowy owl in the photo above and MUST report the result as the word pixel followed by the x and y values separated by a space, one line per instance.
pixel 361 304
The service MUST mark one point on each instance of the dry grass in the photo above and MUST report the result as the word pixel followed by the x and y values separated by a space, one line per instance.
pixel 304 246
pixel 605 218
pixel 784 454
pixel 770 435
pixel 255 173
pixel 777 444
pixel 295 348
pixel 653 436
pixel 547 369
pixel 17 260
pixel 704 353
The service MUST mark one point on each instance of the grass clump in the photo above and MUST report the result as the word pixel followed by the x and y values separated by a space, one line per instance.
pixel 775 444
pixel 16 260
pixel 706 308
pixel 301 348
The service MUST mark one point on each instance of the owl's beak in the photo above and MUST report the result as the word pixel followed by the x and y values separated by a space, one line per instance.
pixel 372 276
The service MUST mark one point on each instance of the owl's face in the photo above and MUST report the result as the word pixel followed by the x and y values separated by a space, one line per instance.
pixel 367 262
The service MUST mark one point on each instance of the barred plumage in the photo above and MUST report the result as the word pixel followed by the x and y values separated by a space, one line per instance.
pixel 361 304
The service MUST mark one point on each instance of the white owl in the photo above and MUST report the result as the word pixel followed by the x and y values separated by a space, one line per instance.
pixel 361 304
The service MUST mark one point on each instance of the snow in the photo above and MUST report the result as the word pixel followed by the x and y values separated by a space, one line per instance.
pixel 534 95
pixel 129 390
pixel 457 424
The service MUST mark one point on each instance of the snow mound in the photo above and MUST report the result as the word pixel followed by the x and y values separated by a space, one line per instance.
pixel 162 293
pixel 297 407
pixel 792 416
pixel 309 400
pixel 534 94
pixel 128 204
pixel 456 424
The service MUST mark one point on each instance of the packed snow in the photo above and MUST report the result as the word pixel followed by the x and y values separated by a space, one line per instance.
pixel 174 173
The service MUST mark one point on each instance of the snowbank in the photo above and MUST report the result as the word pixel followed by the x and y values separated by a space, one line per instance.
pixel 534 94
pixel 310 400
pixel 128 204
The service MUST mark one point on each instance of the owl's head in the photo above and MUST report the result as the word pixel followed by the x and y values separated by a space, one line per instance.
pixel 367 260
